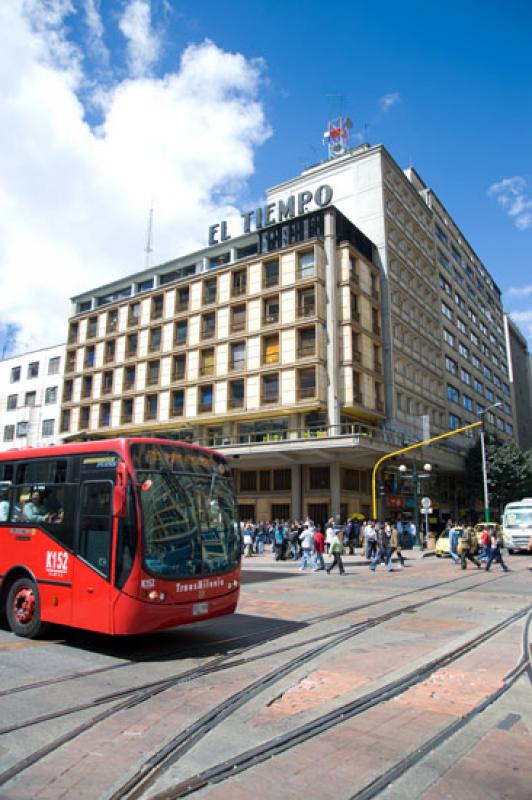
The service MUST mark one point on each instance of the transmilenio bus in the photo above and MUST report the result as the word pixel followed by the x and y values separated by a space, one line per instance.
pixel 120 536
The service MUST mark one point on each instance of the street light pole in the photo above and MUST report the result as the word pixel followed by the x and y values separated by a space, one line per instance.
pixel 484 462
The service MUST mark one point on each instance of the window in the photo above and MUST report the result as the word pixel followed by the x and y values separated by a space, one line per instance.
pixel 84 417
pixel 9 433
pixel 474 338
pixel 375 322
pixel 452 394
pixel 319 478
pixel 155 339
pixel 50 395
pixel 271 274
pixel 306 305
pixel 179 364
pixel 207 361
pixel 180 332
pixel 107 382
pixel 270 349
pixel 129 378
pixel 133 314
pixel 144 286
pixel 248 480
pixel 271 309
pixel 152 373
pixel 306 342
pixel 446 311
pixel 30 398
pixel 22 429
pixel 205 398
pixel 177 405
pixel 306 383
pixel 53 365
pixel 445 285
pixel 463 350
pixel 305 263
pixel 238 318
pixel 443 260
pixel 68 390
pixel 355 347
pixel 112 320
pixel 468 402
pixel 209 291
pixel 280 511
pixel 270 388
pixel 208 325
pixel 48 427
pixel 150 406
pixel 282 480
pixel 448 337
pixel 465 376
pixel 454 422
pixel 440 234
pixel 236 394
pixel 264 480
pixel 105 415
pixel 157 306
pixel 132 343
pixel 65 420
pixel 476 361
pixel 487 372
pixel 462 327
pixel 239 283
pixel 12 401
pixel 357 394
pixel 110 350
pixel 126 410
pixel 73 332
pixel 479 387
pixel 489 395
pixel 86 386
pixel 92 327
pixel 451 365
pixel 15 374
pixel 89 356
pixel 33 369
pixel 238 356
pixel 182 298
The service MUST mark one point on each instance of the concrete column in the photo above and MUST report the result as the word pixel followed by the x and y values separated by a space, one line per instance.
pixel 297 492
pixel 335 490
pixel 331 280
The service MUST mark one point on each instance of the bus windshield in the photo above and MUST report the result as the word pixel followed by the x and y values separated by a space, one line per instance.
pixel 188 512
pixel 518 518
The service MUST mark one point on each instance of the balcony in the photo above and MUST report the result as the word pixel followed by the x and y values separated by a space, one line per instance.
pixel 305 351
pixel 304 392
pixel 307 310
pixel 204 408
pixel 270 319
pixel 236 402
pixel 269 397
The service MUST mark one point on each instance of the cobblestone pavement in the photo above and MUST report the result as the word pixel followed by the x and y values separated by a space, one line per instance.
pixel 417 614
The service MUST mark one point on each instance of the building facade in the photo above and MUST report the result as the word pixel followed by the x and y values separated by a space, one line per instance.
pixel 348 318
pixel 30 400
pixel 520 376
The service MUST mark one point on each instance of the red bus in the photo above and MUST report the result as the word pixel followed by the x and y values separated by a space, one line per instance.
pixel 120 536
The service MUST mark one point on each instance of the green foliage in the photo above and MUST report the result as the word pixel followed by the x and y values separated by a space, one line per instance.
pixel 509 472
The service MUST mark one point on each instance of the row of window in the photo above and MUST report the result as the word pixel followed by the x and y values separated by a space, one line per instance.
pixel 30 398
pixel 306 307
pixel 318 478
pixel 22 429
pixel 455 421
pixel 452 366
pixel 209 295
pixel 33 369
pixel 270 394
pixel 478 280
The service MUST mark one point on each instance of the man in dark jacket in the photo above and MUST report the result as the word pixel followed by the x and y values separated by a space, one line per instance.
pixel 469 547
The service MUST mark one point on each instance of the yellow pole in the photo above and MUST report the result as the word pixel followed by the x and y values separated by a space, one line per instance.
pixel 405 450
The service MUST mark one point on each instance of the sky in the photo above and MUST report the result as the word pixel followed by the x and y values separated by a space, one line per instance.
pixel 112 107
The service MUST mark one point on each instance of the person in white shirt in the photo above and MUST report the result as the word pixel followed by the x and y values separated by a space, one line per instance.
pixel 306 537
pixel 4 505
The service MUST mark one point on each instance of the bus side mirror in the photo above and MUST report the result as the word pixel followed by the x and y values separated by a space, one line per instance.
pixel 119 492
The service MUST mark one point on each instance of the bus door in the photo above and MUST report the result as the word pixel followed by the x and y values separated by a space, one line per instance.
pixel 93 590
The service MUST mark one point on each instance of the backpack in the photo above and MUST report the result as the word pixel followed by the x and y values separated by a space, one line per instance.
pixel 279 536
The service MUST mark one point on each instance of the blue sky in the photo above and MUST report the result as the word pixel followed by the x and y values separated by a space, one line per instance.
pixel 196 108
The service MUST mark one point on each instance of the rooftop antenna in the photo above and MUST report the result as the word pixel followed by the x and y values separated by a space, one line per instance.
pixel 149 249
pixel 336 137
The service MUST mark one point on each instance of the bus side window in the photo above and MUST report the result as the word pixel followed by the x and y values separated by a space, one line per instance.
pixel 96 525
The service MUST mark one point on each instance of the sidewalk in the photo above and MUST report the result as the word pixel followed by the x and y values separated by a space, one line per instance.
pixel 359 559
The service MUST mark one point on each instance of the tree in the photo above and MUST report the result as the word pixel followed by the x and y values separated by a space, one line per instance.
pixel 509 472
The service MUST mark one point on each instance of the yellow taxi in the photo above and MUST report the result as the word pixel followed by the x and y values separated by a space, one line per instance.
pixel 443 545
pixel 481 526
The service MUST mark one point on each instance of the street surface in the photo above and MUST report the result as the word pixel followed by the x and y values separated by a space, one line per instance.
pixel 403 685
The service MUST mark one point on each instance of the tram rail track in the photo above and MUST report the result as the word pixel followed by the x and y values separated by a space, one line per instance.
pixel 159 762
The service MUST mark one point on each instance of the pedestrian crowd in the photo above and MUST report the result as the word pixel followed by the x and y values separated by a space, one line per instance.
pixel 307 543
pixel 486 551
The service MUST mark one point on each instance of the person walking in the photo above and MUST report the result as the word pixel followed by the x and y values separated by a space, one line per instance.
pixel 395 546
pixel 455 533
pixel 329 535
pixel 307 545
pixel 351 529
pixel 279 541
pixel 469 547
pixel 319 548
pixel 336 551
pixel 370 540
pixel 494 552
pixel 293 538
pixel 384 552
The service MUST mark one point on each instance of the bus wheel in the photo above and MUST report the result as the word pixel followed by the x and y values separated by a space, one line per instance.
pixel 23 609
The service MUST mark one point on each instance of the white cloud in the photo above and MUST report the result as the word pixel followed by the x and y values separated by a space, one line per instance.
pixel 521 291
pixel 389 100
pixel 143 44
pixel 511 194
pixel 96 30
pixel 74 200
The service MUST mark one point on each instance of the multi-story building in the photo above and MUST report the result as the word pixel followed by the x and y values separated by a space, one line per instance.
pixel 520 377
pixel 352 316
pixel 30 401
